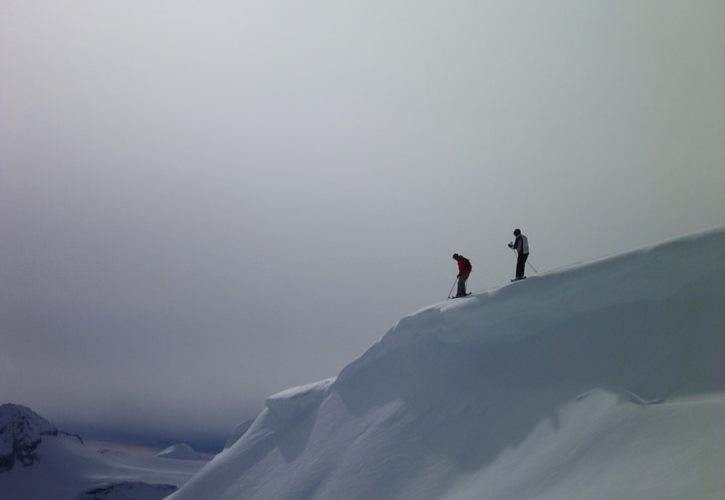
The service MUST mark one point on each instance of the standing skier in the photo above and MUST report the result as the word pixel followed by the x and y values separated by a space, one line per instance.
pixel 464 270
pixel 521 245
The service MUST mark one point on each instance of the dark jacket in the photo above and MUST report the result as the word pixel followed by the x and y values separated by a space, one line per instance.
pixel 521 244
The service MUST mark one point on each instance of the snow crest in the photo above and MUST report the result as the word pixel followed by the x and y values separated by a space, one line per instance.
pixel 295 402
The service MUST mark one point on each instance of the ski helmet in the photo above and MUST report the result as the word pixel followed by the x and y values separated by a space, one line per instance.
pixel 517 232
pixel 455 256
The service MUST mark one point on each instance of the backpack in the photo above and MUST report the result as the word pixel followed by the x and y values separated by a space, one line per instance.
pixel 466 263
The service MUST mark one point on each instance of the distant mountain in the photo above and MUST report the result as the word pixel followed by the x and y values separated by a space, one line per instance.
pixel 602 381
pixel 21 432
pixel 180 452
pixel 40 462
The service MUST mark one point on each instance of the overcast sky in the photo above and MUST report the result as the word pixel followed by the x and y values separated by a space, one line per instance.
pixel 203 203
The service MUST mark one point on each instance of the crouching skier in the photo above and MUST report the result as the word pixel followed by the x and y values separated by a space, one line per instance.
pixel 464 270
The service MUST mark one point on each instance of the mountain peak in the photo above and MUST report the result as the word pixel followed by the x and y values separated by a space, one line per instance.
pixel 21 431
pixel 180 451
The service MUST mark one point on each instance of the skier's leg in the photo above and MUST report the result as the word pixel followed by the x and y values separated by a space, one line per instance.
pixel 520 263
pixel 461 286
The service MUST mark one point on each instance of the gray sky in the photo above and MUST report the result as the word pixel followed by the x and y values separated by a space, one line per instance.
pixel 202 203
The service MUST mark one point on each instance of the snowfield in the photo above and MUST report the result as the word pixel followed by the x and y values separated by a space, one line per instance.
pixel 603 381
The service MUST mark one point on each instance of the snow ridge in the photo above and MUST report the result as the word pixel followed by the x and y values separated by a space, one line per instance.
pixel 602 381
pixel 295 402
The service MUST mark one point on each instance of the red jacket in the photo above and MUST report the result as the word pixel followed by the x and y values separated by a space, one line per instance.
pixel 464 265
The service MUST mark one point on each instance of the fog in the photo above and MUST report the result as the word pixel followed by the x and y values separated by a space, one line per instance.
pixel 202 203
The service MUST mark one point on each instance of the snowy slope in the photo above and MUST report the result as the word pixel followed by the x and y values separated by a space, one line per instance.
pixel 600 382
pixel 238 432
pixel 42 463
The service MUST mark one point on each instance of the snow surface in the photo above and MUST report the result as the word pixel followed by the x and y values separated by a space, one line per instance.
pixel 57 466
pixel 600 382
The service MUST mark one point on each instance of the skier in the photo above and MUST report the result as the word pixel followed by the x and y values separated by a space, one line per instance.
pixel 464 270
pixel 521 245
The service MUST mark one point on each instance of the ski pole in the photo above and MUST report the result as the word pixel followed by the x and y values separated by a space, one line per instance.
pixel 532 267
pixel 454 284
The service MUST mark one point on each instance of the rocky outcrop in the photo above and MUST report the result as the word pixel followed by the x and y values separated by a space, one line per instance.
pixel 21 432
